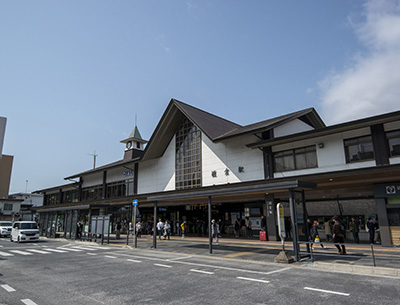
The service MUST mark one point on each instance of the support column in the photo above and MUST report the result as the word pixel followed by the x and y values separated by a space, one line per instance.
pixel 209 225
pixel 155 226
pixel 383 221
pixel 271 218
pixel 293 215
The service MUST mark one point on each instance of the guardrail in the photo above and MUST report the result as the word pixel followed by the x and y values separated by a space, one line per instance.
pixel 309 253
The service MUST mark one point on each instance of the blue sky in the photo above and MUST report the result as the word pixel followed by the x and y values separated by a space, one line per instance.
pixel 74 74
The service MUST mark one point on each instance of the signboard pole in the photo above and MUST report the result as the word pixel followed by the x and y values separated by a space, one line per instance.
pixel 134 203
pixel 283 256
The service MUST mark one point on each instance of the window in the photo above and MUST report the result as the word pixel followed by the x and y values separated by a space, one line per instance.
pixel 294 159
pixel 393 139
pixel 52 199
pixel 92 193
pixel 187 156
pixel 71 196
pixel 359 149
pixel 8 207
pixel 120 188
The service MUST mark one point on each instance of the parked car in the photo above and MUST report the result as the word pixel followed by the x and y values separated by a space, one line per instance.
pixel 24 231
pixel 5 228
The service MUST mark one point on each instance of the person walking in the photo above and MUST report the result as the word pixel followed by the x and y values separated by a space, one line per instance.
pixel 183 227
pixel 118 230
pixel 160 226
pixel 263 223
pixel 328 229
pixel 354 229
pixel 167 230
pixel 249 226
pixel 138 229
pixel 215 231
pixel 315 235
pixel 338 236
pixel 79 230
pixel 199 225
pixel 237 227
pixel 371 230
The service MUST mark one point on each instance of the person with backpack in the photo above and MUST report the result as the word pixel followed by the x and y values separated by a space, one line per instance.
pixel 338 236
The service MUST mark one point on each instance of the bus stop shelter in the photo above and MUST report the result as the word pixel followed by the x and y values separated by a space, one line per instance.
pixel 295 192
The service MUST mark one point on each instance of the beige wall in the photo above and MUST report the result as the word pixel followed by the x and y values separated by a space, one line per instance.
pixel 5 174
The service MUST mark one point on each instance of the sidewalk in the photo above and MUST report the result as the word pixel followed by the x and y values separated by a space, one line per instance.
pixel 359 258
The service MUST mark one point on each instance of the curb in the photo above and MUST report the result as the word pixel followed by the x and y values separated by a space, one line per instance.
pixel 357 269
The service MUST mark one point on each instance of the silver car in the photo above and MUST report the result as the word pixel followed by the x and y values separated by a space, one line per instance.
pixel 5 228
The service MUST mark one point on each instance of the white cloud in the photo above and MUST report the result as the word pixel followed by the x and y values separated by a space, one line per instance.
pixel 371 84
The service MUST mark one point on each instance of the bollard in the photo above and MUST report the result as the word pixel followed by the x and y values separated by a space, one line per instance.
pixel 373 255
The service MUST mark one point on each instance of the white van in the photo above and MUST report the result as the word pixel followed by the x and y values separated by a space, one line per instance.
pixel 24 231
pixel 5 228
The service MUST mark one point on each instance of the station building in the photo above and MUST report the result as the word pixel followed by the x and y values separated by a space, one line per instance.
pixel 197 165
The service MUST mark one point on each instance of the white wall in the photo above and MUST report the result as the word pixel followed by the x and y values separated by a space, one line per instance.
pixel 291 127
pixel 158 174
pixel 230 155
pixel 92 179
pixel 331 157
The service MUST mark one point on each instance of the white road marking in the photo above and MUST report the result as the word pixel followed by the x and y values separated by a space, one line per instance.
pixel 91 253
pixel 165 266
pixel 109 256
pixel 178 258
pixel 38 251
pixel 56 250
pixel 276 271
pixel 132 260
pixel 6 254
pixel 70 249
pixel 7 288
pixel 250 279
pixel 28 302
pixel 84 248
pixel 327 291
pixel 21 252
pixel 201 271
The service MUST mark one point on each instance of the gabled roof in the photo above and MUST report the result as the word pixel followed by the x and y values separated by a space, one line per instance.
pixel 309 116
pixel 211 125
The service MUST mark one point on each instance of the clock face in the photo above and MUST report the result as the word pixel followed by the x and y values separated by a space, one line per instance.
pixel 129 144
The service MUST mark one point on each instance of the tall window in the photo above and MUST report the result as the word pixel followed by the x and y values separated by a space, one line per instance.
pixel 293 159
pixel 187 156
pixel 120 188
pixel 359 149
pixel 393 139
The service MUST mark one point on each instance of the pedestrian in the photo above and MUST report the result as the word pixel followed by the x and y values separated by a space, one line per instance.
pixel 371 230
pixel 338 236
pixel 354 229
pixel 138 229
pixel 237 227
pixel 221 227
pixel 263 223
pixel 328 229
pixel 118 230
pixel 160 226
pixel 167 230
pixel 249 226
pixel 315 235
pixel 198 227
pixel 215 231
pixel 79 230
pixel 183 228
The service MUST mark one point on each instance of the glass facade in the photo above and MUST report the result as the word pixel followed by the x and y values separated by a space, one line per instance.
pixel 188 156
pixel 359 149
pixel 294 159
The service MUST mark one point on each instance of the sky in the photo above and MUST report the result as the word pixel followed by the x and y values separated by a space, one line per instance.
pixel 76 76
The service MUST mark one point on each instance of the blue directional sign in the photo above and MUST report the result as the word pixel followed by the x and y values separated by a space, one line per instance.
pixel 135 202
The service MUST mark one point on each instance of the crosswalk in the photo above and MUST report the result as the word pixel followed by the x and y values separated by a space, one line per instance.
pixel 47 250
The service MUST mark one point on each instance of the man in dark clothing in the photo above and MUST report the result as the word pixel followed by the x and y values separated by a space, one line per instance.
pixel 371 230
pixel 354 229
pixel 338 236
pixel 263 223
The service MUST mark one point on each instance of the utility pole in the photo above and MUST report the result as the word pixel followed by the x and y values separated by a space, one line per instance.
pixel 94 159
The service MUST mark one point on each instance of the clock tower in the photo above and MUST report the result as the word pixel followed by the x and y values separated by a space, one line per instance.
pixel 134 145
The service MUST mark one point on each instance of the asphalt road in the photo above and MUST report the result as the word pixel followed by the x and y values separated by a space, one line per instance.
pixel 58 272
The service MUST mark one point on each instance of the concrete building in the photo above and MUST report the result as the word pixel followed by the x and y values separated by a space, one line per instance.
pixel 197 166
